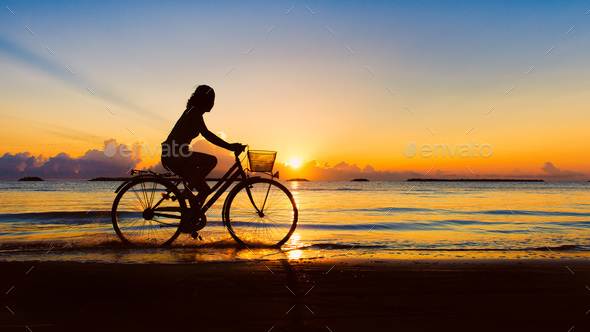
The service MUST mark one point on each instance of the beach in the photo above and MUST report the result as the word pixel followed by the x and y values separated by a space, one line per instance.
pixel 299 295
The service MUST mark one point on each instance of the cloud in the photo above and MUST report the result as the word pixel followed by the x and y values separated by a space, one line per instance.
pixel 13 165
pixel 158 168
pixel 94 163
pixel 343 171
pixel 557 173
pixel 550 169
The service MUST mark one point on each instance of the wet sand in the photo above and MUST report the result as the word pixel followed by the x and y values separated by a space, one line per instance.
pixel 345 295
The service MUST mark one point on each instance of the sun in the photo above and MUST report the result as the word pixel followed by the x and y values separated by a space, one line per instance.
pixel 295 162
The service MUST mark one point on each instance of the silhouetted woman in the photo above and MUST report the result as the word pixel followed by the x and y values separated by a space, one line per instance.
pixel 194 166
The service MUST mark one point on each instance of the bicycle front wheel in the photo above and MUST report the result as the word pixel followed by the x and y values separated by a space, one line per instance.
pixel 260 212
pixel 147 211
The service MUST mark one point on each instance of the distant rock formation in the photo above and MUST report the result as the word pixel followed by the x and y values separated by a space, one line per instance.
pixel 476 180
pixel 31 178
pixel 360 180
pixel 298 179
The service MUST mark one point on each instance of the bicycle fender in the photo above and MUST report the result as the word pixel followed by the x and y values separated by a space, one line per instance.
pixel 132 179
pixel 253 178
pixel 123 185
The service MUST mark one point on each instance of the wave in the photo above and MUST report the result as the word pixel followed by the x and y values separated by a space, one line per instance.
pixel 58 217
pixel 394 210
pixel 373 226
pixel 388 210
pixel 343 246
pixel 534 213
pixel 564 247
pixel 331 189
pixel 14 221
pixel 116 245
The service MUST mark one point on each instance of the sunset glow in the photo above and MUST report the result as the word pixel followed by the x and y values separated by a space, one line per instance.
pixel 295 162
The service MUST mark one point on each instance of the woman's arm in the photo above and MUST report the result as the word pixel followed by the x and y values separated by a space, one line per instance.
pixel 211 137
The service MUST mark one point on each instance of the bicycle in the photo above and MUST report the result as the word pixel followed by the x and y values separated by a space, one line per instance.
pixel 150 209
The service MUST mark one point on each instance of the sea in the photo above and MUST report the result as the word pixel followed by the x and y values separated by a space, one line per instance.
pixel 70 221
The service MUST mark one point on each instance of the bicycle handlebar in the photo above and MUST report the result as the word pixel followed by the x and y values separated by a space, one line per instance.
pixel 238 153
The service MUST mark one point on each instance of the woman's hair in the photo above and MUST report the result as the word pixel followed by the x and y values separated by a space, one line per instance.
pixel 203 96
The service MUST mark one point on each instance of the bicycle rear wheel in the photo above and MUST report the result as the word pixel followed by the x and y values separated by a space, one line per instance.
pixel 260 212
pixel 147 211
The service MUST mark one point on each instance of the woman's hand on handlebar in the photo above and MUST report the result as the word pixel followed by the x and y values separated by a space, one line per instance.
pixel 237 147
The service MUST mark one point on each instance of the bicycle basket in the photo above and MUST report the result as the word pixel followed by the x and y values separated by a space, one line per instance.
pixel 261 161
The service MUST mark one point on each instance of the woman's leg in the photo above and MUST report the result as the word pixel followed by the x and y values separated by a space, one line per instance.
pixel 198 167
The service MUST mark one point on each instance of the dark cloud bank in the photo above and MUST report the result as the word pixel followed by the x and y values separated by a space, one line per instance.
pixel 94 163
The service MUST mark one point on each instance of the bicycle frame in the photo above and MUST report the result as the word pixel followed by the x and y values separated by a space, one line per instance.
pixel 233 174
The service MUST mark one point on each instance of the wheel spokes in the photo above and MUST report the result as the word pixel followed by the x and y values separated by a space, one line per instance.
pixel 139 218
pixel 273 226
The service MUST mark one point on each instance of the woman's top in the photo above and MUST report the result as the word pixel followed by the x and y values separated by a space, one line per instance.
pixel 184 131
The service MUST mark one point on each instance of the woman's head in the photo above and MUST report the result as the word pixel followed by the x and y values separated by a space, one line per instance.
pixel 202 99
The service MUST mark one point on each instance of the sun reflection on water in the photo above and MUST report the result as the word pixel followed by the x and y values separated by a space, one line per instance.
pixel 295 254
pixel 292 247
pixel 295 192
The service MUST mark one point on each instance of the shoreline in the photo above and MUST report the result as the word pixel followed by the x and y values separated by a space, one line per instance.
pixel 299 295
pixel 118 253
pixel 110 250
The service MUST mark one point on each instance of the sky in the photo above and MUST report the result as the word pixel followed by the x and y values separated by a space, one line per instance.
pixel 383 90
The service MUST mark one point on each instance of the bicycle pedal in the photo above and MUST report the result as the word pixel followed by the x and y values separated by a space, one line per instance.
pixel 195 235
